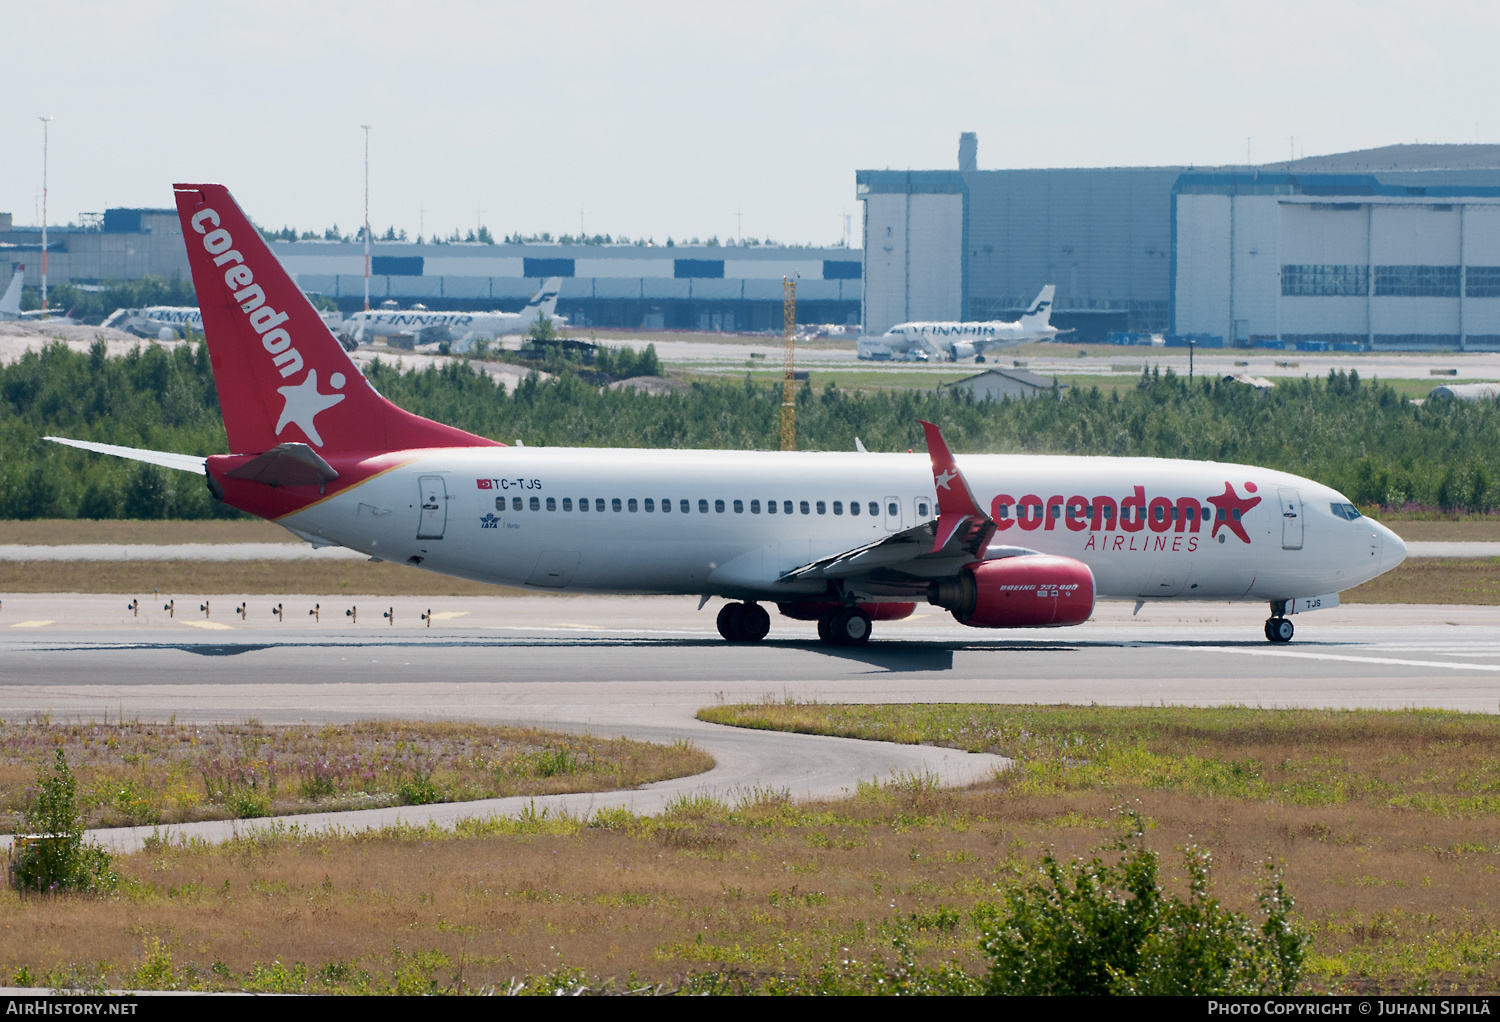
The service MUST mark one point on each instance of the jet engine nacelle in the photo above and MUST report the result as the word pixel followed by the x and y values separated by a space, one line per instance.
pixel 1029 591
pixel 962 349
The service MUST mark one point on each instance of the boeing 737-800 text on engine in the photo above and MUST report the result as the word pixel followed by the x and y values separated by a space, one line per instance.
pixel 1001 541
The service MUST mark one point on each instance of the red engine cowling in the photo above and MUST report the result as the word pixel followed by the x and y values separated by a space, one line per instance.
pixel 811 611
pixel 1031 591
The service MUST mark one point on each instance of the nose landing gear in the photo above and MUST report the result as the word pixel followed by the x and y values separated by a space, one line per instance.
pixel 1278 629
pixel 844 626
pixel 744 622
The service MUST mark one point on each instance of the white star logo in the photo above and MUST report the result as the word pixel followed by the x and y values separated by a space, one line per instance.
pixel 303 403
pixel 943 478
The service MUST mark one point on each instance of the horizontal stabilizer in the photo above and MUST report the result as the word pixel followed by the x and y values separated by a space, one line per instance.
pixel 289 464
pixel 166 459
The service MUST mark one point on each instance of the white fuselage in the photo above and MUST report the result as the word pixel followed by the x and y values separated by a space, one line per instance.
pixel 513 516
pixel 951 340
pixel 440 326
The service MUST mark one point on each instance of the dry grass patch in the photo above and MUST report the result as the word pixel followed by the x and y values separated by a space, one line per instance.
pixel 1441 580
pixel 1456 530
pixel 1382 821
pixel 144 774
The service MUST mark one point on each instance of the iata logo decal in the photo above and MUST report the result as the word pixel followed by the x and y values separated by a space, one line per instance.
pixel 489 521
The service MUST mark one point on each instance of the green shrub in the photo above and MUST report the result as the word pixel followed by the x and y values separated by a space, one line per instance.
pixel 419 790
pixel 56 858
pixel 1099 928
pixel 248 803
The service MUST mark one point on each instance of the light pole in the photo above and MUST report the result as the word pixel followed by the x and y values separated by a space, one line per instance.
pixel 367 216
pixel 46 122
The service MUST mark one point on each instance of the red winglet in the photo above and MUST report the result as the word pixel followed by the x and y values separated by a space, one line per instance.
pixel 956 503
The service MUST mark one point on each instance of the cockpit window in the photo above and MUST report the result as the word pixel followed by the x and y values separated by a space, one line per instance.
pixel 1346 511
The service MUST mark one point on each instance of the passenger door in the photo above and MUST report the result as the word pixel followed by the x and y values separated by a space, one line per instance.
pixel 892 506
pixel 1291 519
pixel 434 520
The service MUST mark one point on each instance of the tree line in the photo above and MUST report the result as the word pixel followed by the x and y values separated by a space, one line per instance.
pixel 1360 437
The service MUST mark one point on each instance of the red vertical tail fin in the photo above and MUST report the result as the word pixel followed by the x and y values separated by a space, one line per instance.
pixel 281 374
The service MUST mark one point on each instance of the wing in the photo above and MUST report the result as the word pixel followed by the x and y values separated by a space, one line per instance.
pixel 903 563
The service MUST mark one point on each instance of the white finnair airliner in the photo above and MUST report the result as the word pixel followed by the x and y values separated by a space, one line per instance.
pixel 951 341
pixel 1001 541
pixel 460 329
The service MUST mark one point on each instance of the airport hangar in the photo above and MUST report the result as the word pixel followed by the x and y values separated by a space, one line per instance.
pixel 1391 248
pixel 681 287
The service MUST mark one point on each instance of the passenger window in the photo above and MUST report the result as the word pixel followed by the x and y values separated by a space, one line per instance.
pixel 1004 511
pixel 583 503
pixel 1055 510
pixel 874 508
pixel 838 507
pixel 805 509
pixel 599 505
pixel 615 503
pixel 894 509
pixel 1190 513
pixel 567 503
pixel 536 504
pixel 786 506
pixel 1236 514
pixel 922 509
pixel 770 507
pixel 703 507
pixel 499 503
pixel 633 505
pixel 551 503
pixel 719 506
pixel 650 505
pixel 755 507
pixel 739 507
pixel 1159 513
pixel 822 508
pixel 515 504
pixel 666 506
pixel 854 507
pixel 684 507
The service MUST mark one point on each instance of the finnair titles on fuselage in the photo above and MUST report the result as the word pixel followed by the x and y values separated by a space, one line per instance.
pixel 842 539
pixel 951 341
pixel 459 329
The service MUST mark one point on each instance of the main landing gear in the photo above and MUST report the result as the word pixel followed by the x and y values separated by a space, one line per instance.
pixel 844 626
pixel 744 622
pixel 1278 629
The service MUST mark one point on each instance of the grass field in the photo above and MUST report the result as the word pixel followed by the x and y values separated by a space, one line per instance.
pixel 142 774
pixel 1384 822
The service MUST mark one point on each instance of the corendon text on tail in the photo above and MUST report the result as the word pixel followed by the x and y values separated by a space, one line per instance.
pixel 1001 541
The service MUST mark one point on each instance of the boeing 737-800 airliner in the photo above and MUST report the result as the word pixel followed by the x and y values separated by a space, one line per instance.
pixel 1001 541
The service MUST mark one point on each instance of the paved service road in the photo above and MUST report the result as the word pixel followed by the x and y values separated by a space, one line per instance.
pixel 643 667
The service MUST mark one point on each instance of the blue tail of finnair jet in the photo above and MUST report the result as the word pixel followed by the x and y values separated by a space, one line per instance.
pixel 1040 312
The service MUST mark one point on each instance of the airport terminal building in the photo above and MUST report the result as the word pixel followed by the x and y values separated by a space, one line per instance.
pixel 1247 255
pixel 680 287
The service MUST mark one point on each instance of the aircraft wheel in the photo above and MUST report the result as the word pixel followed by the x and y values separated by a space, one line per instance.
pixel 825 626
pixel 730 616
pixel 755 623
pixel 1279 630
pixel 979 359
pixel 850 627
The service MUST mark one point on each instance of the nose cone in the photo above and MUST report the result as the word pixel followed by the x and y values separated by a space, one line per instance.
pixel 1391 547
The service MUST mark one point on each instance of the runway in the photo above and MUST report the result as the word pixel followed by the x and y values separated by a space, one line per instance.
pixel 642 667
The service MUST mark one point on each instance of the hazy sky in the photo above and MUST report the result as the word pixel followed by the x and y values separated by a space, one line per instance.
pixel 669 118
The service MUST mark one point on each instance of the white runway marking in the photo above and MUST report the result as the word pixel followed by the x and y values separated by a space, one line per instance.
pixel 1309 655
